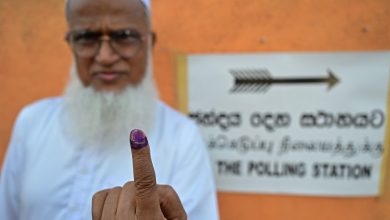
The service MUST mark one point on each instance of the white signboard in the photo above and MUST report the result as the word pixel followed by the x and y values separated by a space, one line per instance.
pixel 296 123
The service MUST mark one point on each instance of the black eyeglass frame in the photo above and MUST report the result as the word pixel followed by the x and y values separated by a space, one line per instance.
pixel 95 39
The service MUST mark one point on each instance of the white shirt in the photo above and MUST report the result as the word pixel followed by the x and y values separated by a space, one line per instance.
pixel 47 176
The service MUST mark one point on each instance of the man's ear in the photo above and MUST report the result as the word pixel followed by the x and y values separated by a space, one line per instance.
pixel 154 38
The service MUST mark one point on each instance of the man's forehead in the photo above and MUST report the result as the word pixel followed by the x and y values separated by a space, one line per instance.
pixel 90 12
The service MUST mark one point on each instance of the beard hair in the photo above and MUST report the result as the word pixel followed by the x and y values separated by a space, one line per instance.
pixel 100 118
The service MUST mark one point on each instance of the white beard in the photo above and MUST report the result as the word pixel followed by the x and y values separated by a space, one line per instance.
pixel 101 119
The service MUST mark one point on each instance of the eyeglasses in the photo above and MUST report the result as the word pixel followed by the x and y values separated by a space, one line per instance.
pixel 86 44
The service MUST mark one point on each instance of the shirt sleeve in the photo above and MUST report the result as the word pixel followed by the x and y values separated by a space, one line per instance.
pixel 194 179
pixel 10 179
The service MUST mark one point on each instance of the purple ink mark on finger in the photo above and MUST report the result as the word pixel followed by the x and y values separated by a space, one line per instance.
pixel 138 139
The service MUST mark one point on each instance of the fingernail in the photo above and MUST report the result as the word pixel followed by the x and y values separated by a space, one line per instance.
pixel 138 139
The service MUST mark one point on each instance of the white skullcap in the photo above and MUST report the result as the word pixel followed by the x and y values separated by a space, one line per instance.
pixel 146 2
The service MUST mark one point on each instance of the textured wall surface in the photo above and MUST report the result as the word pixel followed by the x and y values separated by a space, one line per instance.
pixel 34 63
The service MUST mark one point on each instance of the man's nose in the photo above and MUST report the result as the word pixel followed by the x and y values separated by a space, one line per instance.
pixel 106 55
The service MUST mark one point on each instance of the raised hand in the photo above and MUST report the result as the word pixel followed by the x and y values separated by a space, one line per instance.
pixel 142 199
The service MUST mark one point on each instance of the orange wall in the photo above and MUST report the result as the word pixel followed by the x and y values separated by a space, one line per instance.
pixel 34 63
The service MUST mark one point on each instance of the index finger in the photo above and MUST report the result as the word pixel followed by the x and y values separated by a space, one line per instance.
pixel 144 175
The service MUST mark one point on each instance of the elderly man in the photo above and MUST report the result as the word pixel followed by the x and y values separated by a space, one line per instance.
pixel 64 150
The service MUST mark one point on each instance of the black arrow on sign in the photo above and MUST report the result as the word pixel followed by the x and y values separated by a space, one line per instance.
pixel 260 80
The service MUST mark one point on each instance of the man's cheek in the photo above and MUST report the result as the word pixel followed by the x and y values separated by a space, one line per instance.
pixel 84 73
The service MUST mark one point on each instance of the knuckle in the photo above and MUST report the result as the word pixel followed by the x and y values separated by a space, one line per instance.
pixel 167 191
pixel 95 197
pixel 166 194
pixel 97 201
pixel 129 184
pixel 115 189
pixel 145 186
pixel 99 195
pixel 167 187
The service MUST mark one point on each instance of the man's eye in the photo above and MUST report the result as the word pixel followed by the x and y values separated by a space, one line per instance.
pixel 126 36
pixel 86 38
